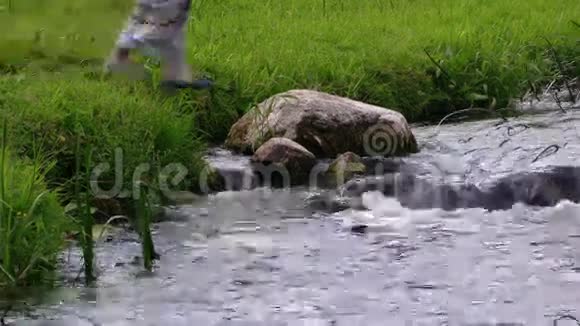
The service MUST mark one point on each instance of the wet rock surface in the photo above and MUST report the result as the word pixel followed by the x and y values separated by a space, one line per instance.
pixel 290 162
pixel 540 188
pixel 325 124
pixel 345 167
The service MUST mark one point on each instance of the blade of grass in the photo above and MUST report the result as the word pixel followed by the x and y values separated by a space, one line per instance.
pixel 88 222
pixel 8 275
pixel 5 217
pixel 440 67
pixel 36 201
pixel 109 221
pixel 562 71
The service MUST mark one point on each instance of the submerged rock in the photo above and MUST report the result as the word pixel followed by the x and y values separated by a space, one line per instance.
pixel 345 167
pixel 540 189
pixel 231 179
pixel 329 203
pixel 326 125
pixel 282 162
pixel 359 228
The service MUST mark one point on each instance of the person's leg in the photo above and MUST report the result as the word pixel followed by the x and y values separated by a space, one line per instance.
pixel 123 45
pixel 174 66
pixel 119 57
pixel 175 71
pixel 119 61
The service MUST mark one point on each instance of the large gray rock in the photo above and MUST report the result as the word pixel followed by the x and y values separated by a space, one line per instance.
pixel 282 162
pixel 326 125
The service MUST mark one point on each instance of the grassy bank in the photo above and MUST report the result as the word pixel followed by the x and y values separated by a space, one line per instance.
pixel 422 57
pixel 425 58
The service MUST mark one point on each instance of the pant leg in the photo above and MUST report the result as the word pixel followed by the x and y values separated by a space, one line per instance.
pixel 174 64
pixel 125 42
pixel 128 39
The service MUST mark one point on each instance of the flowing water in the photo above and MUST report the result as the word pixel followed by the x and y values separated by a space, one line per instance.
pixel 258 257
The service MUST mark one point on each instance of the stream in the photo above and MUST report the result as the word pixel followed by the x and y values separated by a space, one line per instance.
pixel 259 257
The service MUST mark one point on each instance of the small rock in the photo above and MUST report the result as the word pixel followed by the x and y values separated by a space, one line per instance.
pixel 199 259
pixel 242 282
pixel 360 228
pixel 283 162
pixel 344 168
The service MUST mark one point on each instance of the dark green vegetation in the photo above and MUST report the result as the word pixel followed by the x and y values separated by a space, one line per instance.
pixel 425 58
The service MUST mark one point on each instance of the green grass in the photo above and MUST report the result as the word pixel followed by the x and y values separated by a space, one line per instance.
pixel 32 223
pixel 368 50
pixel 116 121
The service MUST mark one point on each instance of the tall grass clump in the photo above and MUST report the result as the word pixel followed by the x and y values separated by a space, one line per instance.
pixel 133 132
pixel 32 222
